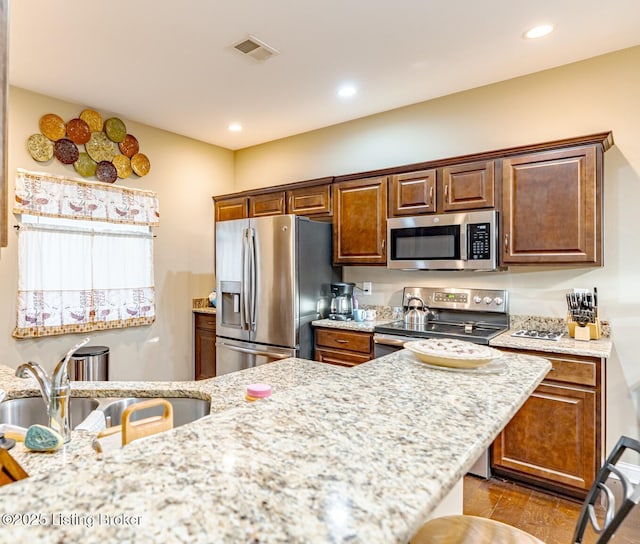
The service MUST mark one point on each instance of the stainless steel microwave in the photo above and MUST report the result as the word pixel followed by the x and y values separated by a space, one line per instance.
pixel 453 241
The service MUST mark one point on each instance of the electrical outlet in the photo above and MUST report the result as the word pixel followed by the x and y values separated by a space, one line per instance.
pixel 366 287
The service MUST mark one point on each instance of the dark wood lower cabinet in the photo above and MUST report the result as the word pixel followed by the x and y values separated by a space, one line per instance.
pixel 343 347
pixel 556 439
pixel 205 346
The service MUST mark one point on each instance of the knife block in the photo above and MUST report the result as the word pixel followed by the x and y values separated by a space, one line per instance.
pixel 591 331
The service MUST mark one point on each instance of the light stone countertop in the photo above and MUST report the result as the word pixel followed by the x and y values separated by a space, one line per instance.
pixel 570 346
pixel 361 326
pixel 334 455
pixel 207 310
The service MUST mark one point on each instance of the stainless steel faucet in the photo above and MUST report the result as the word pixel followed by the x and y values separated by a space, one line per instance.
pixel 56 391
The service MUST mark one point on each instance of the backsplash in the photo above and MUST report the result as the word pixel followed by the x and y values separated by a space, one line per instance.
pixel 551 324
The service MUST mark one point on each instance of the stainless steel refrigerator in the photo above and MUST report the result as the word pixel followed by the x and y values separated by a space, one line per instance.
pixel 271 272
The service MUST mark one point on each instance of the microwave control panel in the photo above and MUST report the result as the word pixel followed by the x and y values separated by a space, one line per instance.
pixel 479 241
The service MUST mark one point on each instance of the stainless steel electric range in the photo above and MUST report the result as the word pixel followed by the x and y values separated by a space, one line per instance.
pixel 474 315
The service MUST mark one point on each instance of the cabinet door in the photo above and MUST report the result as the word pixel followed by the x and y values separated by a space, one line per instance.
pixel 468 186
pixel 266 204
pixel 231 208
pixel 205 346
pixel 360 221
pixel 412 193
pixel 310 200
pixel 552 438
pixel 552 207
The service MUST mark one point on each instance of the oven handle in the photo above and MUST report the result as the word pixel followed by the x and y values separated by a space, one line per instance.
pixel 389 341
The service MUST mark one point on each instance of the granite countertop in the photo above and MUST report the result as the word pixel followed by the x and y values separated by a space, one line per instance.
pixel 362 326
pixel 570 346
pixel 207 310
pixel 334 455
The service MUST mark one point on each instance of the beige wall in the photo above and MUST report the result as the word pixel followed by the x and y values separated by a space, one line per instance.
pixel 591 96
pixel 185 173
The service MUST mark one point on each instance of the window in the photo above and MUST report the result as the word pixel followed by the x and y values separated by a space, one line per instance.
pixel 85 256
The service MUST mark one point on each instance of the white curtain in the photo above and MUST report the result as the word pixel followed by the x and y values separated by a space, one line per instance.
pixel 78 275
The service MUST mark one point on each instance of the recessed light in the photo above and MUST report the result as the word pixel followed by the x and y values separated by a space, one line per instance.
pixel 538 31
pixel 235 127
pixel 346 91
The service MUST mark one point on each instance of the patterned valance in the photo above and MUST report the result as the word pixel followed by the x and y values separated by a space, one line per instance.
pixel 57 196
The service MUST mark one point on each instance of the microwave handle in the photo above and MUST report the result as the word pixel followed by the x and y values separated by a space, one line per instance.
pixel 464 236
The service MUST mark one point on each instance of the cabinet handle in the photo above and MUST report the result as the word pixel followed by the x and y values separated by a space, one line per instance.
pixel 431 194
pixel 446 191
pixel 341 341
pixel 506 243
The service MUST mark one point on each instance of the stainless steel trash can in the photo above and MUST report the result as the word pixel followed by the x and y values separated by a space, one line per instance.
pixel 90 363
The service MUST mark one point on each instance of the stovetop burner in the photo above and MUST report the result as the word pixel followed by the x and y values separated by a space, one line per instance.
pixel 475 315
pixel 480 333
pixel 538 335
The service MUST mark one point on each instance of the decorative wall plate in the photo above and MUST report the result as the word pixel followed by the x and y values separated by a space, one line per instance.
pixel 85 165
pixel 93 119
pixel 105 171
pixel 140 164
pixel 65 151
pixel 100 148
pixel 40 147
pixel 115 129
pixel 129 146
pixel 123 166
pixel 52 126
pixel 78 131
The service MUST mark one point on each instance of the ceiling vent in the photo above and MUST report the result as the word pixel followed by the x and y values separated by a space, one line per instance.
pixel 255 48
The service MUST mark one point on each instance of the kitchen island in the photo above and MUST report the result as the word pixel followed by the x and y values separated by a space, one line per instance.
pixel 344 455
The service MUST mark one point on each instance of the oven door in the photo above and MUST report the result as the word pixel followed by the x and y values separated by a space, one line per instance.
pixel 384 344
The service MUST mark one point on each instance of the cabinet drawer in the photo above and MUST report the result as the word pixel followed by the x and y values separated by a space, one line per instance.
pixel 572 371
pixel 341 358
pixel 206 321
pixel 347 340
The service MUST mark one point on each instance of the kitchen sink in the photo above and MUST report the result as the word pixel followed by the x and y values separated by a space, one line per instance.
pixel 31 411
pixel 185 410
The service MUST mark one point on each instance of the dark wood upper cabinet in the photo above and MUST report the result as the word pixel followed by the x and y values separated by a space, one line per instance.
pixel 360 221
pixel 267 204
pixel 552 207
pixel 231 208
pixel 468 186
pixel 412 193
pixel 312 201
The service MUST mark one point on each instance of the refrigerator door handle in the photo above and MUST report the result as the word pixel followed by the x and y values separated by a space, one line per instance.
pixel 244 295
pixel 269 354
pixel 252 279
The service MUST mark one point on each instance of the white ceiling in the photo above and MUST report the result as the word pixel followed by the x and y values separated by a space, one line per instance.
pixel 170 64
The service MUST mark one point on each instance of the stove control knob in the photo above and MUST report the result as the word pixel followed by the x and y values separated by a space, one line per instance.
pixel 498 301
pixel 477 299
pixel 487 300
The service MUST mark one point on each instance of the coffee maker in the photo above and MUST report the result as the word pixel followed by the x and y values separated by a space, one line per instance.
pixel 342 301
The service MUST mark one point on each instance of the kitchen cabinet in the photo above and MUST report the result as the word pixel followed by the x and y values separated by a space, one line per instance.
pixel 468 186
pixel 311 201
pixel 205 346
pixel 360 221
pixel 555 440
pixel 227 209
pixel 412 193
pixel 267 204
pixel 343 347
pixel 552 207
